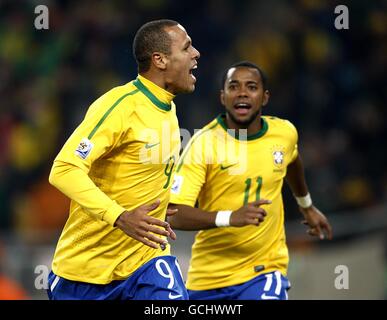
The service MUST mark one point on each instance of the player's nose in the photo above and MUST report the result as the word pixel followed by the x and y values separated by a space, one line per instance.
pixel 242 92
pixel 196 54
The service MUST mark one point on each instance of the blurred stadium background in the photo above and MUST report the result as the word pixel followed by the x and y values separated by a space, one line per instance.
pixel 330 83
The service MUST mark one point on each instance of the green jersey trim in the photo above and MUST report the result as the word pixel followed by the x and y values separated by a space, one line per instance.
pixel 161 105
pixel 190 144
pixel 254 136
pixel 109 111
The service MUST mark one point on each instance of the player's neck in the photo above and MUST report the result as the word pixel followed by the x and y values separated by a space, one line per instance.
pixel 155 78
pixel 254 127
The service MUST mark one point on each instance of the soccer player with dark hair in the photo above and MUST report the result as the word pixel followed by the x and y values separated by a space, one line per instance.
pixel 234 170
pixel 116 168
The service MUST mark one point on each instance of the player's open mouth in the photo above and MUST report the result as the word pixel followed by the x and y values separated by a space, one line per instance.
pixel 242 108
pixel 191 70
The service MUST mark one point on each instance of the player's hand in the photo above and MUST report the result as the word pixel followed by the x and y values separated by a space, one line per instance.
pixel 142 227
pixel 317 222
pixel 252 213
pixel 172 234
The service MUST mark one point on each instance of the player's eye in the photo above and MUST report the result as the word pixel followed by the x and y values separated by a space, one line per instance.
pixel 187 46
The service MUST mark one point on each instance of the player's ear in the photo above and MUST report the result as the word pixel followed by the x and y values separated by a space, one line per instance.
pixel 222 97
pixel 159 60
pixel 266 97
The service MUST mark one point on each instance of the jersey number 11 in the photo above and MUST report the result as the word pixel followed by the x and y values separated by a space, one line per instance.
pixel 247 190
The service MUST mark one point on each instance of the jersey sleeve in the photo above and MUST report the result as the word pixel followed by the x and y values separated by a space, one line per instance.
pixel 190 174
pixel 294 140
pixel 98 134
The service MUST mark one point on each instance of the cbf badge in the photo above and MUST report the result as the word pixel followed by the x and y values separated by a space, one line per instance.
pixel 278 154
pixel 84 148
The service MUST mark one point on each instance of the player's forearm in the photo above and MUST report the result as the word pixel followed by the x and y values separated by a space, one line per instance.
pixel 295 178
pixel 189 218
pixel 77 185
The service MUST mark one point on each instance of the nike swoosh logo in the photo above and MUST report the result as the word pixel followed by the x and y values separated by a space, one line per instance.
pixel 174 296
pixel 226 167
pixel 151 145
pixel 266 297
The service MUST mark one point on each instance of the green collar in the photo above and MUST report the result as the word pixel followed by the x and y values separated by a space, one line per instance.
pixel 140 86
pixel 254 136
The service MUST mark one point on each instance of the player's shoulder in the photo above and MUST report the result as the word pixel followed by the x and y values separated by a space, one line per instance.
pixel 279 123
pixel 203 134
pixel 212 125
pixel 119 98
pixel 119 94
pixel 208 128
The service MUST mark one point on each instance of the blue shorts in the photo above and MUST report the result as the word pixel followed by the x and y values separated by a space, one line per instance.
pixel 268 286
pixel 158 279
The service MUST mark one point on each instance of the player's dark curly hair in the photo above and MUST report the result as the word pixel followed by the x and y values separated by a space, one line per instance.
pixel 151 37
pixel 247 64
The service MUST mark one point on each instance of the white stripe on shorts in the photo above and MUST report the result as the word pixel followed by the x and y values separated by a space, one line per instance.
pixel 54 283
pixel 279 283
pixel 269 281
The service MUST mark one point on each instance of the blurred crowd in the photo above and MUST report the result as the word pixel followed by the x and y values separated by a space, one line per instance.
pixel 330 83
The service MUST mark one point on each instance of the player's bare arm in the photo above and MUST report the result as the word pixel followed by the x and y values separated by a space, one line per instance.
pixel 317 222
pixel 189 218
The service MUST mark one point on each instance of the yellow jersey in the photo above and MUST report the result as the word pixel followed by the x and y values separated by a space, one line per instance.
pixel 121 156
pixel 220 170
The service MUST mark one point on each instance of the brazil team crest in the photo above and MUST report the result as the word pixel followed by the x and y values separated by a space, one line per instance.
pixel 278 153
